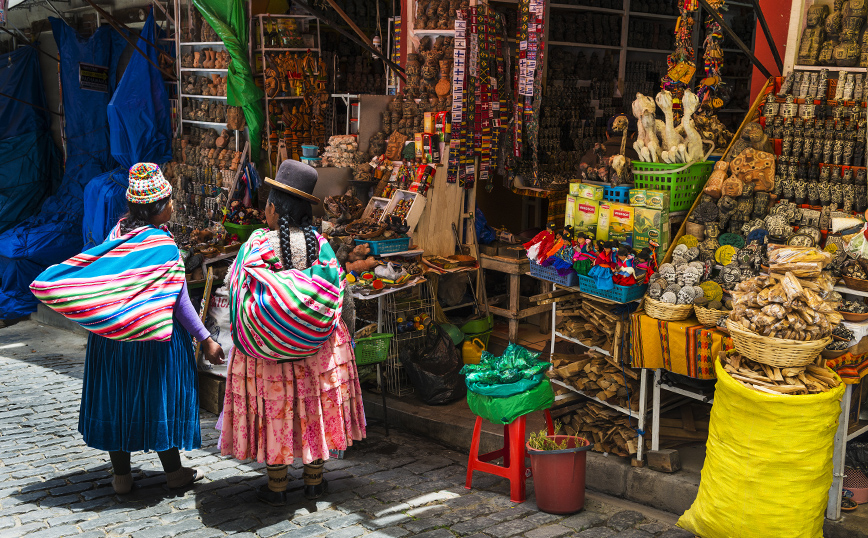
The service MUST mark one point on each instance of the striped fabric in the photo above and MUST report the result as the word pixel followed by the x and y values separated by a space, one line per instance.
pixel 124 289
pixel 283 315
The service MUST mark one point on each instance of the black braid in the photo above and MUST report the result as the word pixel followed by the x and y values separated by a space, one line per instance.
pixel 139 215
pixel 294 212
pixel 284 224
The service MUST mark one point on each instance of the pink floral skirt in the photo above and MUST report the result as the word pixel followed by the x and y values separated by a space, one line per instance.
pixel 275 412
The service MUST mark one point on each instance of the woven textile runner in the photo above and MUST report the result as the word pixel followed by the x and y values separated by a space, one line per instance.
pixel 283 315
pixel 684 347
pixel 123 289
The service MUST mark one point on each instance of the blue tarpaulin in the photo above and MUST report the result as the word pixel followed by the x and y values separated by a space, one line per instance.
pixel 55 233
pixel 140 129
pixel 29 160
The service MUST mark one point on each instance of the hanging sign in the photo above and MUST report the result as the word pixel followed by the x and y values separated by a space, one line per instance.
pixel 93 77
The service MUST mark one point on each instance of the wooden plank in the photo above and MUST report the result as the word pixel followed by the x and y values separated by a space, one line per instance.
pixel 665 461
pixel 687 418
pixel 434 230
pixel 504 265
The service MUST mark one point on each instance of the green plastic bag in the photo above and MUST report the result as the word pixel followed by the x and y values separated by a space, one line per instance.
pixel 515 364
pixel 502 390
pixel 505 410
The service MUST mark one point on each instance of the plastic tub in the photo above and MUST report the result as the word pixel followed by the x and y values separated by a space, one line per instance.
pixel 316 162
pixel 559 476
pixel 309 151
pixel 243 231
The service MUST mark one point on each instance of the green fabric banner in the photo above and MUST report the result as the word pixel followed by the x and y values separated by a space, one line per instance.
pixel 228 20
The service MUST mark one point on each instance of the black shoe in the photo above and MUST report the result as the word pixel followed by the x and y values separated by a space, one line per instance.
pixel 317 491
pixel 270 497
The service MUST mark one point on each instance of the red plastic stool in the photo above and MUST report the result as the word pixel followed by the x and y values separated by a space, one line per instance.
pixel 513 453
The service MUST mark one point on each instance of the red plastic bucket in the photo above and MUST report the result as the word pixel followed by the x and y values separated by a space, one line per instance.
pixel 559 476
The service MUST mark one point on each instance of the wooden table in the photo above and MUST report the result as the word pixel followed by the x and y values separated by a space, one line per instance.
pixel 515 268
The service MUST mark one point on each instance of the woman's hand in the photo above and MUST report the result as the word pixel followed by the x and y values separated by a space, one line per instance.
pixel 213 352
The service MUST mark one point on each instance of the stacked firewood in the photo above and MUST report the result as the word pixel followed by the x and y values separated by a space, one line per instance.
pixel 607 429
pixel 810 379
pixel 589 321
pixel 599 376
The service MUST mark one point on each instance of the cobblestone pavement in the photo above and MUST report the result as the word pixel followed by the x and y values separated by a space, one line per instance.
pixel 52 485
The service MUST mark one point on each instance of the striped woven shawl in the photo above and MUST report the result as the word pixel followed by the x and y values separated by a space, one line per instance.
pixel 123 289
pixel 283 315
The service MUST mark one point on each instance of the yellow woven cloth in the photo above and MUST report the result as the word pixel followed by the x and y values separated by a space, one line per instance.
pixel 684 347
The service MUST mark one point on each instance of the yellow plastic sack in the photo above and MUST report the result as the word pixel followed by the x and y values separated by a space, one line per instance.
pixel 768 464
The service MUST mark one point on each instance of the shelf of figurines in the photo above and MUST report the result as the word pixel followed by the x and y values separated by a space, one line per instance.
pixel 202 44
pixel 297 49
pixel 203 70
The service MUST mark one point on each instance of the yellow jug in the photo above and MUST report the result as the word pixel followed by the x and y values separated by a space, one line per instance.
pixel 471 351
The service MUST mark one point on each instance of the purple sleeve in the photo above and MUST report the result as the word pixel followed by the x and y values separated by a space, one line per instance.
pixel 186 314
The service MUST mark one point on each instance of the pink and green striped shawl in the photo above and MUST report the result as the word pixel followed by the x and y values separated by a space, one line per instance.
pixel 124 289
pixel 283 315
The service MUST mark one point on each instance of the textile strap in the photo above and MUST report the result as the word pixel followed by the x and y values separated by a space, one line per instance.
pixel 282 315
pixel 124 289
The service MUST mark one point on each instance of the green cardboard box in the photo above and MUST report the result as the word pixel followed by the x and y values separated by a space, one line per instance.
pixel 657 199
pixel 637 197
pixel 651 225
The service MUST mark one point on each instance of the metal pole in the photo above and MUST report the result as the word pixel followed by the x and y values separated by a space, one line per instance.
pixel 769 39
pixel 744 48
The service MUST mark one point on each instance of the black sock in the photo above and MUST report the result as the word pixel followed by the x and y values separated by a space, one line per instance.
pixel 171 460
pixel 120 462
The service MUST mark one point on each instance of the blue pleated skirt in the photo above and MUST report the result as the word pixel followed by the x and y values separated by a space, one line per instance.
pixel 140 395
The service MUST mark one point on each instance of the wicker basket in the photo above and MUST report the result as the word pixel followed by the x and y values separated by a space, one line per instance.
pixel 775 352
pixel 855 283
pixel 708 316
pixel 666 311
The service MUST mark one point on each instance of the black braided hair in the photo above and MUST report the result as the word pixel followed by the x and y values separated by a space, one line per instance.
pixel 139 215
pixel 294 212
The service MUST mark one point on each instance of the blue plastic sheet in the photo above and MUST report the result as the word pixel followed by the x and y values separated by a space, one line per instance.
pixel 140 130
pixel 29 160
pixel 55 233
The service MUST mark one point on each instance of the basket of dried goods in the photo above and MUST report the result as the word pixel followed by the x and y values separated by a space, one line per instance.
pixel 854 310
pixel 793 380
pixel 365 228
pixel 345 206
pixel 835 349
pixel 782 320
pixel 709 313
pixel 667 311
pixel 854 275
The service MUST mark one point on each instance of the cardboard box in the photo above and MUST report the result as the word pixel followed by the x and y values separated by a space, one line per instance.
pixel 584 190
pixel 603 221
pixel 212 389
pixel 650 225
pixel 657 199
pixel 621 223
pixel 637 197
pixel 570 211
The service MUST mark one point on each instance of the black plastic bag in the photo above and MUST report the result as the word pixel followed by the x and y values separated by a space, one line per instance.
pixel 434 368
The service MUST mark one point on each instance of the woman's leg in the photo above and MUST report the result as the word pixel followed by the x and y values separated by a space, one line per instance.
pixel 315 486
pixel 178 476
pixel 274 492
pixel 122 481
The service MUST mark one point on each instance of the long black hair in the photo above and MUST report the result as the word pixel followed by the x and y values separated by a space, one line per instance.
pixel 139 215
pixel 294 212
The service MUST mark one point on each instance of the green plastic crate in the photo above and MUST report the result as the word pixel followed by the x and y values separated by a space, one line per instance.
pixel 683 187
pixel 373 349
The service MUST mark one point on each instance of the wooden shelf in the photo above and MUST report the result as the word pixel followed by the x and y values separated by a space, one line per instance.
pixel 650 51
pixel 269 49
pixel 434 32
pixel 653 15
pixel 618 408
pixel 577 341
pixel 832 69
pixel 587 8
pixel 204 69
pixel 206 123
pixel 585 45
pixel 223 97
